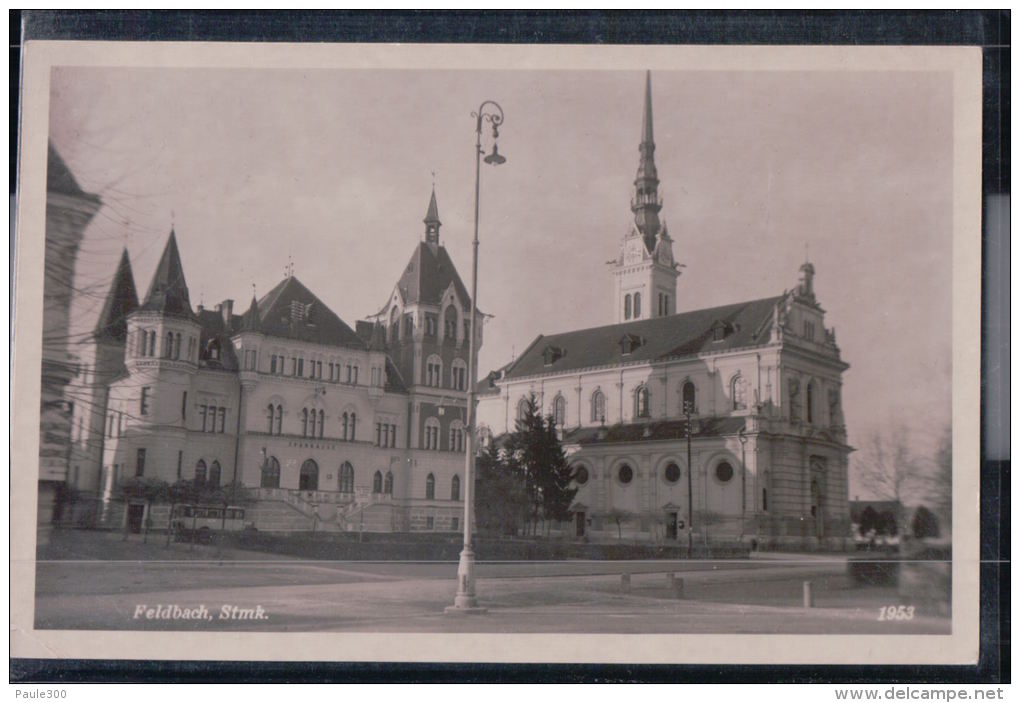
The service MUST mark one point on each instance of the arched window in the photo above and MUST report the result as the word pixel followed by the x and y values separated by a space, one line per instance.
pixel 522 409
pixel 450 322
pixel 214 474
pixel 455 488
pixel 688 398
pixel 430 486
pixel 271 473
pixel 626 307
pixel 809 402
pixel 738 392
pixel 458 375
pixel 279 419
pixel 431 433
pixel 641 402
pixel 598 406
pixel 354 426
pixel 322 423
pixel 377 485
pixel 346 478
pixel 388 485
pixel 200 472
pixel 456 436
pixel 270 413
pixel 344 426
pixel 434 371
pixel 637 305
pixel 304 422
pixel 560 411
pixel 177 346
pixel 168 349
pixel 308 479
pixel 152 343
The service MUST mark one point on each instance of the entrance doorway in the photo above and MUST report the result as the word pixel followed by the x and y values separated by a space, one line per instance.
pixel 580 519
pixel 135 516
pixel 671 525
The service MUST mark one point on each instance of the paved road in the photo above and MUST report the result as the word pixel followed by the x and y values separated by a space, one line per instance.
pixel 756 596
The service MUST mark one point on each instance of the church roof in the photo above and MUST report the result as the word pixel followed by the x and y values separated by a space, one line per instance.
pixel 120 302
pixel 168 292
pixel 654 431
pixel 685 334
pixel 427 276
pixel 59 178
pixel 292 311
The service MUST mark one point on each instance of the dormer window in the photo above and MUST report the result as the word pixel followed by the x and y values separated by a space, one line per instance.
pixel 720 330
pixel 630 342
pixel 552 354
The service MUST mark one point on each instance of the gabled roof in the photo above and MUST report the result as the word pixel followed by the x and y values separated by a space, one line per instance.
pixel 59 178
pixel 685 334
pixel 292 311
pixel 427 276
pixel 168 292
pixel 120 302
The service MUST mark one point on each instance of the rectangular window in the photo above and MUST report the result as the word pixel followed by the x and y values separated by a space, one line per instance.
pixel 223 419
pixel 348 376
pixel 393 435
pixel 318 369
pixel 455 524
pixel 430 523
pixel 184 405
pixel 378 434
pixel 355 376
pixel 120 424
pixel 300 363
pixel 109 425
pixel 144 406
pixel 202 410
pixel 140 465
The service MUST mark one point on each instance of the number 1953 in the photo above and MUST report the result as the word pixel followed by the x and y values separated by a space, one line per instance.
pixel 896 612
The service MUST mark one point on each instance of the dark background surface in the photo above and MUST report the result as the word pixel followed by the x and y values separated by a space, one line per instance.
pixel 989 29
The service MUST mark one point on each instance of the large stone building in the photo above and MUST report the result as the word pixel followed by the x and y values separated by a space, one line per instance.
pixel 761 380
pixel 333 428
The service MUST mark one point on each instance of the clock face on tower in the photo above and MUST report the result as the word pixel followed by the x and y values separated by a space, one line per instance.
pixel 634 251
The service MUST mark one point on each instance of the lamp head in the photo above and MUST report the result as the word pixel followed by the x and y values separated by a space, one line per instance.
pixel 495 158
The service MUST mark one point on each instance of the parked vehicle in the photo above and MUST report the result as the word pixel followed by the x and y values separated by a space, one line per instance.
pixel 199 522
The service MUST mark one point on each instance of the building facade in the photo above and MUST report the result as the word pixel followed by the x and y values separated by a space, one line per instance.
pixel 725 422
pixel 331 428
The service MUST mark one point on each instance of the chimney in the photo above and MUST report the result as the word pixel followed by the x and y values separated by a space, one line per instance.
pixel 227 309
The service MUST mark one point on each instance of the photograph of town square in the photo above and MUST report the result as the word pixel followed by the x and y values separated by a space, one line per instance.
pixel 497 351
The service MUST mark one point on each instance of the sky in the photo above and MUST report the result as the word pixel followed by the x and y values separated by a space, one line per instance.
pixel 332 169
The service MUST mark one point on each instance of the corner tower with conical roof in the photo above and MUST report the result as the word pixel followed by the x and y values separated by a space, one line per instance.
pixel 644 272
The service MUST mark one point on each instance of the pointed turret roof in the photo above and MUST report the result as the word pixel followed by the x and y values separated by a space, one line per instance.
pixel 431 220
pixel 251 322
pixel 168 292
pixel 647 133
pixel 59 178
pixel 120 302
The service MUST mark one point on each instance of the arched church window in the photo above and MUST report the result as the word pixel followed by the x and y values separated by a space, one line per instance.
pixel 738 392
pixel 522 409
pixel 560 411
pixel 430 486
pixel 637 305
pixel 598 406
pixel 688 398
pixel 641 402
pixel 200 472
pixel 388 484
pixel 455 488
pixel 271 473
pixel 626 307
pixel 377 482
pixel 270 413
pixel 279 419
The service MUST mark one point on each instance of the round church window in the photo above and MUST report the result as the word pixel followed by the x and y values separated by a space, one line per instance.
pixel 723 472
pixel 581 475
pixel 672 472
pixel 626 474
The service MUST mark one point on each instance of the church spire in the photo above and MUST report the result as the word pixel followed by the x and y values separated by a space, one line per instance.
pixel 168 292
pixel 431 220
pixel 120 302
pixel 646 203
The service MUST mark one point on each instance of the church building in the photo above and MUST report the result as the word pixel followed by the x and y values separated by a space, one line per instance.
pixel 330 428
pixel 725 421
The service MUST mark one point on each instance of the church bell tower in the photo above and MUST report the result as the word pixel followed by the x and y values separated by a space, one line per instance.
pixel 644 272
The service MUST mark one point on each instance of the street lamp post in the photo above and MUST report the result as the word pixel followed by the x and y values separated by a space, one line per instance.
pixel 690 483
pixel 466 601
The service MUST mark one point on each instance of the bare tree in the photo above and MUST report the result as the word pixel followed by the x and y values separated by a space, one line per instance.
pixel 890 468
